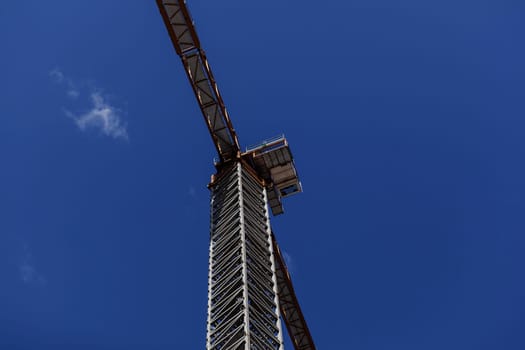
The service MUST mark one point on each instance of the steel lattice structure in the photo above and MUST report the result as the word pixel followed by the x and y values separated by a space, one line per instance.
pixel 249 287
pixel 242 297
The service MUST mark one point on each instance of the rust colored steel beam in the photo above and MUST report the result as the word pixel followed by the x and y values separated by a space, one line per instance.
pixel 182 32
pixel 289 305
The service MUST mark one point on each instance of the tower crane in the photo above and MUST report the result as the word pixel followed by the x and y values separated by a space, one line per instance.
pixel 249 286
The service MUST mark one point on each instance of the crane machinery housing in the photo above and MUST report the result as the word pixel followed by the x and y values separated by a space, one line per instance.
pixel 249 286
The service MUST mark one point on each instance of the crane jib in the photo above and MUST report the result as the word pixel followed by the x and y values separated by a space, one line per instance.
pixel 186 42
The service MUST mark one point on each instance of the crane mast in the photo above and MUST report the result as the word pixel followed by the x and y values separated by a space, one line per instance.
pixel 249 286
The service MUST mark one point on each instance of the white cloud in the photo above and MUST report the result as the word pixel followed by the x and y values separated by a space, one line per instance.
pixel 73 93
pixel 102 116
pixel 71 87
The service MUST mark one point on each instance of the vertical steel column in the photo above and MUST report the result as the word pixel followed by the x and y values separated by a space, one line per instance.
pixel 243 307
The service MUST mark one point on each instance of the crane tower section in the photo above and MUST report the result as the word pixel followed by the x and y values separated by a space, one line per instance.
pixel 243 306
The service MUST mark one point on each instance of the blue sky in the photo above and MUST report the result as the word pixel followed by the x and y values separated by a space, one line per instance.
pixel 406 120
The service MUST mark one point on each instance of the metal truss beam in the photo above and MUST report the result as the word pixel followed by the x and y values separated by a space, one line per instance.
pixel 184 37
pixel 243 306
pixel 290 309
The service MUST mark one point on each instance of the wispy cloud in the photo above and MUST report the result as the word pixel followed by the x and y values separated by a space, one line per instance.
pixel 71 87
pixel 57 75
pixel 73 93
pixel 101 115
pixel 27 270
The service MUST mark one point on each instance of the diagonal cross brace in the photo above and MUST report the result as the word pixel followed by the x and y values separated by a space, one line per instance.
pixel 187 45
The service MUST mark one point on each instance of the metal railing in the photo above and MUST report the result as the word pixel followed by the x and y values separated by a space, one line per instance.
pixel 266 142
